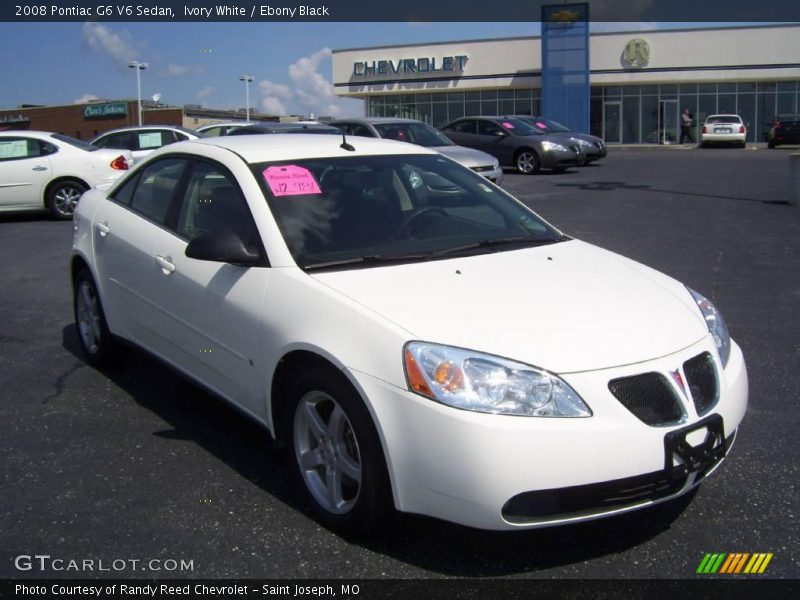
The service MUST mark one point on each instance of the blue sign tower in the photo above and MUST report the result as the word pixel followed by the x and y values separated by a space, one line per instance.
pixel 565 64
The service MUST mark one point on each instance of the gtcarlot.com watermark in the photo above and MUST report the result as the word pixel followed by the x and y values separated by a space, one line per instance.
pixel 45 563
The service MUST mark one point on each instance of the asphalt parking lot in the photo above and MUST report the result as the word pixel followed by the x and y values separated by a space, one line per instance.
pixel 139 464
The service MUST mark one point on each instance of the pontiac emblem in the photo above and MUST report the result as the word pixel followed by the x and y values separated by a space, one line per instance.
pixel 636 54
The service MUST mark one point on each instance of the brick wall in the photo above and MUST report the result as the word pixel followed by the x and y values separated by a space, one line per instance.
pixel 69 119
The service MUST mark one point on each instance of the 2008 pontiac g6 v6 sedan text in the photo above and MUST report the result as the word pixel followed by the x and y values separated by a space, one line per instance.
pixel 414 336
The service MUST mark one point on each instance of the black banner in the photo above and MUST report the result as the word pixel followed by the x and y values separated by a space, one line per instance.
pixel 711 588
pixel 406 10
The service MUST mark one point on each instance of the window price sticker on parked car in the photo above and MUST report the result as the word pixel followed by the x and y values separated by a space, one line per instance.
pixel 291 180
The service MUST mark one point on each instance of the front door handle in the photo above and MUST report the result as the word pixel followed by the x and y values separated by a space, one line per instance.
pixel 166 264
pixel 39 168
pixel 103 229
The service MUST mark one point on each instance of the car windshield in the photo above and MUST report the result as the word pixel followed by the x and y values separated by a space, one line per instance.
pixel 723 119
pixel 547 125
pixel 420 134
pixel 518 127
pixel 372 210
pixel 74 142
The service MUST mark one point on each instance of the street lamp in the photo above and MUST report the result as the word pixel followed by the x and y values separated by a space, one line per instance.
pixel 248 79
pixel 139 66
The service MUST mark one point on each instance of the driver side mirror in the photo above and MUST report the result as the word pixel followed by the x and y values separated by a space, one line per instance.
pixel 223 246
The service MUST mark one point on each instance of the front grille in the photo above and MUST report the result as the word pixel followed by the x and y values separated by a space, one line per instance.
pixel 481 169
pixel 649 397
pixel 701 375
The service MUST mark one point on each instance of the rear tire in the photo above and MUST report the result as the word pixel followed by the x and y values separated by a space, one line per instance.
pixel 97 343
pixel 62 198
pixel 336 454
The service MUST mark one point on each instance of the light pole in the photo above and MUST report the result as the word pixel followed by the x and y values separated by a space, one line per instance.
pixel 139 66
pixel 248 79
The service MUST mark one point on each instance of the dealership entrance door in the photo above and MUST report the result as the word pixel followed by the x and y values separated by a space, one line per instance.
pixel 669 127
pixel 612 122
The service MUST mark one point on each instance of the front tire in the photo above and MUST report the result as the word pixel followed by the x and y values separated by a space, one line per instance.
pixel 337 453
pixel 62 198
pixel 95 339
pixel 527 162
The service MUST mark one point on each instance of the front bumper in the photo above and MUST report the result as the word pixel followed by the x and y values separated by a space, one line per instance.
pixel 492 174
pixel 556 159
pixel 473 468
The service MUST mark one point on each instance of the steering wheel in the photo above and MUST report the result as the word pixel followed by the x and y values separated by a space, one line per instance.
pixel 402 231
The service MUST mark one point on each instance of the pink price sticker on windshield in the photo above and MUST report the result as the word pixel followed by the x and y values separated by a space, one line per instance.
pixel 291 180
pixel 541 125
pixel 508 125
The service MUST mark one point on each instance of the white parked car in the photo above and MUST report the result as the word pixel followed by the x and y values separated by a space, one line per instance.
pixel 141 141
pixel 43 170
pixel 422 134
pixel 723 129
pixel 417 338
pixel 223 128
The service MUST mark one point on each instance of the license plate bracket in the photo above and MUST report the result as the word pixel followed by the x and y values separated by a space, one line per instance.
pixel 683 459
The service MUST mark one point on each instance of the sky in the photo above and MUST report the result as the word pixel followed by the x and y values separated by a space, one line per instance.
pixel 200 63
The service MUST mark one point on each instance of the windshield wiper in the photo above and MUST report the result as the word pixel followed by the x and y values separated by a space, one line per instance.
pixel 368 260
pixel 506 241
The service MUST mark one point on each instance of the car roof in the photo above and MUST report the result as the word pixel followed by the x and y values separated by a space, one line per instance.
pixel 147 128
pixel 724 115
pixel 226 124
pixel 27 132
pixel 287 146
pixel 375 120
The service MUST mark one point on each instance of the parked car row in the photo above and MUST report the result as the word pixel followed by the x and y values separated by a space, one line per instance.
pixel 45 170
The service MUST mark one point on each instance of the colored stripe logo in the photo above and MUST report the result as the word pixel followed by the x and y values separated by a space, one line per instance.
pixel 735 563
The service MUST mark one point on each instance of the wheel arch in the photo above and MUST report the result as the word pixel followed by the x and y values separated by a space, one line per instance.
pixel 62 179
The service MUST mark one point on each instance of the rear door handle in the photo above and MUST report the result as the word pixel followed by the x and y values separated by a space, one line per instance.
pixel 167 267
pixel 39 168
pixel 103 229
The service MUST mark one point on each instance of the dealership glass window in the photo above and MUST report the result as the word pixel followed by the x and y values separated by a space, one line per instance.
pixel 596 117
pixel 707 106
pixel 439 114
pixel 766 86
pixel 455 110
pixel 748 86
pixel 424 112
pixel 630 90
pixel 726 104
pixel 649 90
pixel 787 86
pixel 727 88
pixel 668 89
pixel 786 103
pixel 472 108
pixel 765 111
pixel 690 102
pixel 687 88
pixel 630 121
pixel 612 91
pixel 649 119
pixel 747 110
pixel 707 88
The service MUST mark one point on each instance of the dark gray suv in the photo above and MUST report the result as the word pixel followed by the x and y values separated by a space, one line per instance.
pixel 515 143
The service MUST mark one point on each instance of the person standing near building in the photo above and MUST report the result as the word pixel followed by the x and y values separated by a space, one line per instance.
pixel 686 126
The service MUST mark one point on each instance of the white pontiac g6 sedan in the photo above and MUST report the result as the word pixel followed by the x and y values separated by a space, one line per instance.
pixel 414 336
pixel 41 170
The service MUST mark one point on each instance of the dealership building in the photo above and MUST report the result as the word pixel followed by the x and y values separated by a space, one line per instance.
pixel 640 81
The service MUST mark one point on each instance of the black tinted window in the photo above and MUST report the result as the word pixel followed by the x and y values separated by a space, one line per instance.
pixel 120 140
pixel 124 193
pixel 461 127
pixel 157 184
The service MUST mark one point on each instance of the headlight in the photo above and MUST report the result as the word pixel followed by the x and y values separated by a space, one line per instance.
pixel 553 147
pixel 716 325
pixel 582 143
pixel 496 164
pixel 485 383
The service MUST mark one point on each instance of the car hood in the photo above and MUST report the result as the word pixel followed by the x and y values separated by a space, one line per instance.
pixel 467 157
pixel 566 307
pixel 577 135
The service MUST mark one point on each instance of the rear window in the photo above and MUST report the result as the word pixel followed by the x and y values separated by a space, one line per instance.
pixel 74 142
pixel 724 119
